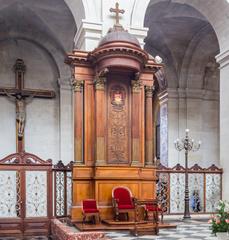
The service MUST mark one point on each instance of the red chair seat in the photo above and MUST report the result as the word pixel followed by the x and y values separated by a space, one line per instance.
pixel 123 202
pixel 153 208
pixel 88 210
pixel 124 206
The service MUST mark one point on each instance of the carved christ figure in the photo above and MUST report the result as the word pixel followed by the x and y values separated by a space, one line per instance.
pixel 20 102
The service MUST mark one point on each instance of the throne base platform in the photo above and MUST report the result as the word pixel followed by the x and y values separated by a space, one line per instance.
pixel 139 228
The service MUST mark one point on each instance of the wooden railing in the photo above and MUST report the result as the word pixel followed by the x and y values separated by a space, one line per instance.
pixel 62 181
pixel 205 188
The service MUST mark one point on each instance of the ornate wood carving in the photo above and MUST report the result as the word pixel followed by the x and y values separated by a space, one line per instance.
pixel 77 85
pixel 100 83
pixel 118 122
pixel 23 157
pixel 37 193
pixel 136 86
pixel 115 121
pixel 149 91
pixel 100 79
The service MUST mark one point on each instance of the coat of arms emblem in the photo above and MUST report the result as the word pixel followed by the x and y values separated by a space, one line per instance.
pixel 117 95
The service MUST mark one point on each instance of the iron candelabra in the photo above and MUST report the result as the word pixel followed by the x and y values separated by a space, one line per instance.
pixel 187 144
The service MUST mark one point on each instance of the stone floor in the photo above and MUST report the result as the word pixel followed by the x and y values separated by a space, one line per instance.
pixel 29 238
pixel 192 230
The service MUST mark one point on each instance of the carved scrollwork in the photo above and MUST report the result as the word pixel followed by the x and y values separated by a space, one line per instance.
pixel 100 79
pixel 99 83
pixel 77 85
pixel 24 158
pixel 149 91
pixel 136 86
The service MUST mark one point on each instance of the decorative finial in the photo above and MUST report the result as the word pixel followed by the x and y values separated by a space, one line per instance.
pixel 117 11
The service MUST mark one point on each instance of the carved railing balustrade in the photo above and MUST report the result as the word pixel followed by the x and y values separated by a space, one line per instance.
pixel 205 188
pixel 62 180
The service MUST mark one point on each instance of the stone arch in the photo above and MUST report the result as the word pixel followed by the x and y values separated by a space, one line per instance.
pixel 41 29
pixel 82 9
pixel 188 57
pixel 216 14
pixel 165 20
pixel 180 33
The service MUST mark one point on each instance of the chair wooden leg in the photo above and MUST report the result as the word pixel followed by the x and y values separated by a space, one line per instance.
pixel 127 216
pixel 84 219
pixel 162 216
pixel 146 217
pixel 116 216
pixel 93 219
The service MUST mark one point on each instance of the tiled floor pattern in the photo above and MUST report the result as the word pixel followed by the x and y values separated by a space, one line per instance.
pixel 193 230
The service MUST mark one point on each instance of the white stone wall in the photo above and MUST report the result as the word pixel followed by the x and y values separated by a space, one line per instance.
pixel 201 117
pixel 42 122
pixel 223 59
pixel 49 126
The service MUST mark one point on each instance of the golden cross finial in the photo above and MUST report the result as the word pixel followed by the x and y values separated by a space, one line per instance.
pixel 116 10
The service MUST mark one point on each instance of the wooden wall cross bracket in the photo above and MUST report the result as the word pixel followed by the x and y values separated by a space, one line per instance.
pixel 21 96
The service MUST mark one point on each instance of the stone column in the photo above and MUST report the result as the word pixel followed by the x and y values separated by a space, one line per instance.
pixel 223 60
pixel 149 129
pixel 88 35
pixel 100 126
pixel 78 121
pixel 66 120
pixel 163 101
pixel 135 126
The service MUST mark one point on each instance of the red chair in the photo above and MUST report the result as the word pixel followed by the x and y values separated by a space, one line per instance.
pixel 155 209
pixel 123 201
pixel 90 209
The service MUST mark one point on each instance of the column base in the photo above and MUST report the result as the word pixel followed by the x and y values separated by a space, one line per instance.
pixel 135 163
pixel 78 163
pixel 100 163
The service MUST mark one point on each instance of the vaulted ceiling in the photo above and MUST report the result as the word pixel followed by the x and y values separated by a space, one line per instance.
pixel 49 25
pixel 185 40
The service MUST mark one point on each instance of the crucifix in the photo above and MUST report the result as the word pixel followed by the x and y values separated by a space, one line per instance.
pixel 117 11
pixel 22 96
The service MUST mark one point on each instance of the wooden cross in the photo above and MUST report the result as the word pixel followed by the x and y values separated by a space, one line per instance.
pixel 116 10
pixel 20 96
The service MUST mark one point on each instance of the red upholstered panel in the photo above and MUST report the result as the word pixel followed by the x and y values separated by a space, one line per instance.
pixel 91 210
pixel 90 205
pixel 126 206
pixel 123 197
pixel 153 208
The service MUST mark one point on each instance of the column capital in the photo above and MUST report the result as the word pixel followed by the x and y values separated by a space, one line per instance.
pixel 136 86
pixel 77 85
pixel 100 79
pixel 149 91
pixel 100 83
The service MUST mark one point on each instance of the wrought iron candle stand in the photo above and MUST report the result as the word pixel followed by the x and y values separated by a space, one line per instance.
pixel 187 144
